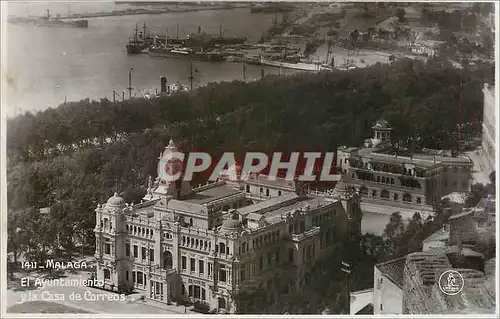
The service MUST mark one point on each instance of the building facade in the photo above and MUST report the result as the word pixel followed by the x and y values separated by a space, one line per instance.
pixel 390 177
pixel 388 287
pixel 209 244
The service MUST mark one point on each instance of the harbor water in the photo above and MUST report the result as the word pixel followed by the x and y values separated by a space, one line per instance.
pixel 46 66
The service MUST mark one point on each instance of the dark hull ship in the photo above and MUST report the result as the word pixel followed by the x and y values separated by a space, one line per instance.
pixel 140 41
pixel 49 21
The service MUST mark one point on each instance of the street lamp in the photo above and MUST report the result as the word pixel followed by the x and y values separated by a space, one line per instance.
pixel 130 83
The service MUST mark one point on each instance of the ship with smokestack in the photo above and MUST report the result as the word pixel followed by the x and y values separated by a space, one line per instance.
pixel 140 41
pixel 49 21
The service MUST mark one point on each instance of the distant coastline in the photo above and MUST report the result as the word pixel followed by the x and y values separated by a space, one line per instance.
pixel 141 11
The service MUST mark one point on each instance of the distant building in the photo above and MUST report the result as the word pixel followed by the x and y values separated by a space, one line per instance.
pixel 428 48
pixel 206 245
pixel 388 287
pixel 489 123
pixel 396 180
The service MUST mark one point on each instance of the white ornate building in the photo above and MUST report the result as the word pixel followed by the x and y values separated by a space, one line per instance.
pixel 206 245
pixel 404 181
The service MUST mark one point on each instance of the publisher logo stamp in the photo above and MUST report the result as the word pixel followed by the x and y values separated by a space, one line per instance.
pixel 451 282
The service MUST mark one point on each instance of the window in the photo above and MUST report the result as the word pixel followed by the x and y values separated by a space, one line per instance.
pixel 279 193
pixel 127 250
pixel 126 275
pixel 242 275
pixel 107 248
pixel 222 248
pixel 248 188
pixel 419 200
pixel 227 250
pixel 190 222
pixel 222 275
pixel 151 255
pixel 140 278
pixel 133 276
pixel 183 262
pixel 107 274
pixel 267 191
pixel 136 253
pixel 167 260
pixel 209 269
pixel 143 253
pixel 374 193
pixel 201 267
pixel 261 190
pixel 192 264
pixel 396 197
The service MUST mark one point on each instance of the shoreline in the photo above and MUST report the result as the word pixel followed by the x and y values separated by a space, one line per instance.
pixel 142 12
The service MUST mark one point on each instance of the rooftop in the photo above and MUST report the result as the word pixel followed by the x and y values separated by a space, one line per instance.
pixel 441 235
pixel 421 160
pixel 311 203
pixel 211 194
pixel 276 182
pixel 393 270
pixel 268 205
pixel 360 299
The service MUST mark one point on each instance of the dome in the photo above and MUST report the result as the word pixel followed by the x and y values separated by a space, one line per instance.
pixel 115 200
pixel 342 187
pixel 231 225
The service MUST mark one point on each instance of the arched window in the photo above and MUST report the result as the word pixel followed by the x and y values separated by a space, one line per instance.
pixel 222 248
pixel 279 193
pixel 407 198
pixel 378 179
pixel 383 179
pixel 190 222
pixel 363 191
pixel 396 197
pixel 374 193
pixel 419 200
pixel 221 303
pixel 167 260
pixel 261 190
pixel 248 188
pixel 267 191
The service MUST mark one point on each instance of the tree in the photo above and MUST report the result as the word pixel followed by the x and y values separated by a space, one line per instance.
pixel 400 14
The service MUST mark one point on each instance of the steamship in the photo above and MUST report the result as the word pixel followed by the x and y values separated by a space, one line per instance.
pixel 140 41
pixel 186 53
pixel 49 21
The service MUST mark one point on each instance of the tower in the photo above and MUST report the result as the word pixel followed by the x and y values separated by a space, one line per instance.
pixel 382 131
pixel 110 250
pixel 169 164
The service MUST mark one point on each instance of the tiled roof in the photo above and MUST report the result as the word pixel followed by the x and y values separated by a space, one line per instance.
pixel 393 270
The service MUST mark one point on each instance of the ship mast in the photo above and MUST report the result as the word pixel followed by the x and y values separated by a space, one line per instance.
pixel 191 77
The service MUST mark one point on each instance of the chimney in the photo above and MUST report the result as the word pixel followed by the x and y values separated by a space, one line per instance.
pixel 163 82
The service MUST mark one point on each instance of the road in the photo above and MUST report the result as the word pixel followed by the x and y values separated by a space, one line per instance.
pixel 91 301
